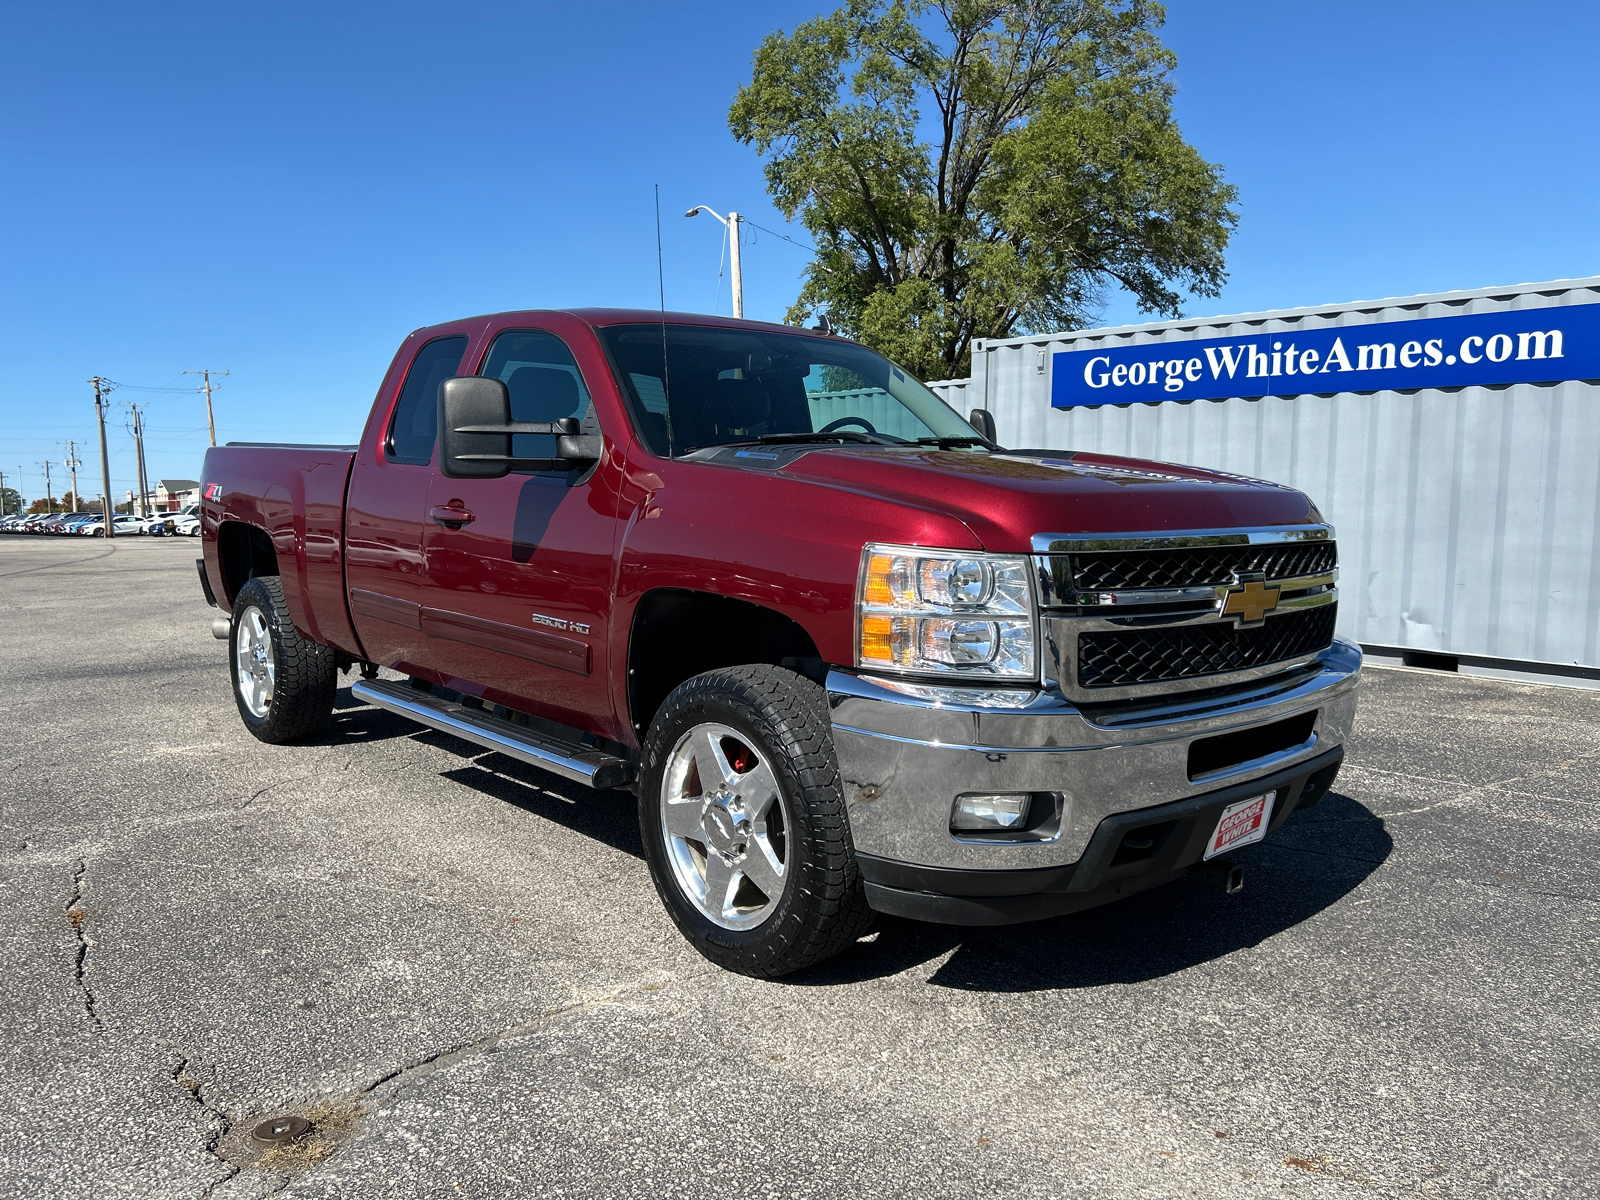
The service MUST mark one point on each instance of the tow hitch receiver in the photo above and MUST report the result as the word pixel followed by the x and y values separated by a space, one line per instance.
pixel 1221 874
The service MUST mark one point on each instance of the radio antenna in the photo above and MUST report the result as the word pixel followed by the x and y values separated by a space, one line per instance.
pixel 661 283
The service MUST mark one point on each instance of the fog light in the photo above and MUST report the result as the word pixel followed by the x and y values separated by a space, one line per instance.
pixel 986 810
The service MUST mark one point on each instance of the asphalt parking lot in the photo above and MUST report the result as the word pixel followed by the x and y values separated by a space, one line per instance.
pixel 457 966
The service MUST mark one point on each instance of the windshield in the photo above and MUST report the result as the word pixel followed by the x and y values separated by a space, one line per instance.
pixel 731 385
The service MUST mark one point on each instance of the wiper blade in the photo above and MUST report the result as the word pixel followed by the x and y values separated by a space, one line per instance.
pixel 957 440
pixel 843 435
pixel 801 439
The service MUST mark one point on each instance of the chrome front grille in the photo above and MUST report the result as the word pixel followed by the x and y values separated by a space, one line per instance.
pixel 1126 658
pixel 1133 615
pixel 1195 566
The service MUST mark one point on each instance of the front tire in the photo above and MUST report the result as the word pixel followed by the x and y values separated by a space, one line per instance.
pixel 743 822
pixel 283 683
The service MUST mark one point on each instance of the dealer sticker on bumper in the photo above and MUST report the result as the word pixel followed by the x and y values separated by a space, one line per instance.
pixel 1241 825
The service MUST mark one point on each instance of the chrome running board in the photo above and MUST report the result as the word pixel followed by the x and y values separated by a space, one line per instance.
pixel 570 760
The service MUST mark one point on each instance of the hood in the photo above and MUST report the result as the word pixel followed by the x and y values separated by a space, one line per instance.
pixel 1006 499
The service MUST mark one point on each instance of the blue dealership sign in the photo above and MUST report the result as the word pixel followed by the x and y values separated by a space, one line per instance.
pixel 1535 345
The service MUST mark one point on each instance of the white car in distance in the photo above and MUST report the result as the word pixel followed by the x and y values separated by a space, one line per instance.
pixel 121 526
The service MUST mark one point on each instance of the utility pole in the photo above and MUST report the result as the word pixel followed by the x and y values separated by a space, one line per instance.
pixel 101 387
pixel 3 512
pixel 731 223
pixel 72 464
pixel 207 387
pixel 138 444
pixel 49 496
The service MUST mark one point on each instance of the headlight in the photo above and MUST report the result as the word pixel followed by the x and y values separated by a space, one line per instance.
pixel 945 612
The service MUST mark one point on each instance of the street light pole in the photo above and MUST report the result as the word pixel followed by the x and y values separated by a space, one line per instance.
pixel 731 223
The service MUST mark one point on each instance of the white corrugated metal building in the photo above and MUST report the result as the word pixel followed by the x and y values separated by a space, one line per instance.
pixel 1466 499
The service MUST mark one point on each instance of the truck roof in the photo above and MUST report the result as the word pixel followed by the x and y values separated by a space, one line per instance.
pixel 640 316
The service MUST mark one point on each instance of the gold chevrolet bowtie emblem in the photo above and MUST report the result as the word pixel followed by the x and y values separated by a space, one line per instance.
pixel 1250 600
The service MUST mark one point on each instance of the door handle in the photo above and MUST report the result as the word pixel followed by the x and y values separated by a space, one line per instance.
pixel 449 516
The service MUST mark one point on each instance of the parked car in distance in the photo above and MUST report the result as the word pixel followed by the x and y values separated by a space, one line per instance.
pixel 187 527
pixel 160 524
pixel 123 526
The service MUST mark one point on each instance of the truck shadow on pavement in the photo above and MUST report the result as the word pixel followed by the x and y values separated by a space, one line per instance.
pixel 1311 863
pixel 1315 860
pixel 355 721
pixel 610 818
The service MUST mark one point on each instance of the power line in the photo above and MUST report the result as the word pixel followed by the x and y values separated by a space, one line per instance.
pixel 782 236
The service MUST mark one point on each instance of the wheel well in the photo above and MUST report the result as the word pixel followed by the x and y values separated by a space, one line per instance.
pixel 244 551
pixel 677 634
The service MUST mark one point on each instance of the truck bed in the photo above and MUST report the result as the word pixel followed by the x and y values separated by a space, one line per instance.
pixel 296 494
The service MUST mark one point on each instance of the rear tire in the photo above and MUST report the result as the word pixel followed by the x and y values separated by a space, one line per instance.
pixel 283 683
pixel 754 863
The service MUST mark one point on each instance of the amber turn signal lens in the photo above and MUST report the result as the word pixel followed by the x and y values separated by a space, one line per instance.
pixel 877 586
pixel 877 640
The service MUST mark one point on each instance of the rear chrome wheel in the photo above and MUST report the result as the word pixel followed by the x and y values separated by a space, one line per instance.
pixel 722 818
pixel 283 682
pixel 255 668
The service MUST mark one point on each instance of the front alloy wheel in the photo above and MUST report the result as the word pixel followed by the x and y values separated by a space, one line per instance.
pixel 742 813
pixel 722 816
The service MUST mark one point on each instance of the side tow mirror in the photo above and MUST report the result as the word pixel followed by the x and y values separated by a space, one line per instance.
pixel 475 432
pixel 983 421
pixel 474 442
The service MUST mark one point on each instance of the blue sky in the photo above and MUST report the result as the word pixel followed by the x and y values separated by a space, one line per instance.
pixel 285 191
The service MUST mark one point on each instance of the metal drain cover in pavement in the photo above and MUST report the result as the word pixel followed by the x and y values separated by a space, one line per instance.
pixel 280 1130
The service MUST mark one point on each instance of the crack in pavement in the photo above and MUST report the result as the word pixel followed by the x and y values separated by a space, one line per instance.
pixel 257 794
pixel 443 1060
pixel 75 918
pixel 109 550
pixel 219 1122
pixel 1485 788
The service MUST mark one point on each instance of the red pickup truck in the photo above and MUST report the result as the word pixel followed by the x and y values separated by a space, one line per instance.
pixel 850 654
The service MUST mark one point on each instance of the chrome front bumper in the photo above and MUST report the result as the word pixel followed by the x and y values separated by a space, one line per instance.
pixel 905 754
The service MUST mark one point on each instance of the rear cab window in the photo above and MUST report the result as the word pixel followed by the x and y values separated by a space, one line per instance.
pixel 415 424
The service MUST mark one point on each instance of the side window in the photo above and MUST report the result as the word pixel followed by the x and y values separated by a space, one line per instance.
pixel 545 385
pixel 416 417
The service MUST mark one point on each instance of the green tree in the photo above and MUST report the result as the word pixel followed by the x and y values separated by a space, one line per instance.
pixel 10 501
pixel 982 168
